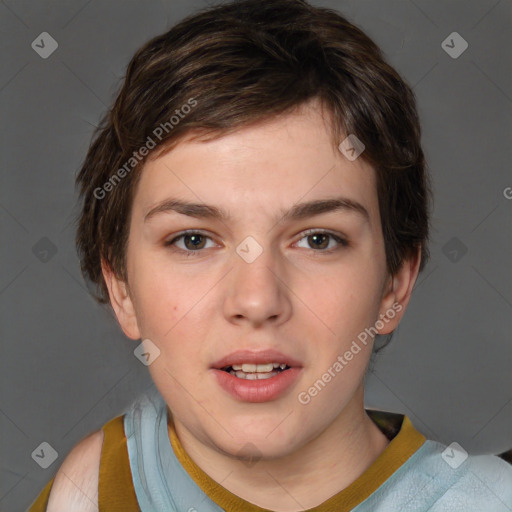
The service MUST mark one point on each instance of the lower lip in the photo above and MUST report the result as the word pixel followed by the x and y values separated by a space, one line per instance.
pixel 257 391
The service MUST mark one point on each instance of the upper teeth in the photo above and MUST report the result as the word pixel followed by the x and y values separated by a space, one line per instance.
pixel 258 367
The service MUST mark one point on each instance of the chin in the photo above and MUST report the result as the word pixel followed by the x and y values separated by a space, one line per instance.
pixel 255 444
pixel 250 453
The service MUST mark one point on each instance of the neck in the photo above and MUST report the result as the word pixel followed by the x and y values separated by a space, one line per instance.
pixel 323 467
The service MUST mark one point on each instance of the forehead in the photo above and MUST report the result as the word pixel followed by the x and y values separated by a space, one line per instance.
pixel 262 168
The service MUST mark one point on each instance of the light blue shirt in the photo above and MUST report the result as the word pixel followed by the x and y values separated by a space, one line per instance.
pixel 434 479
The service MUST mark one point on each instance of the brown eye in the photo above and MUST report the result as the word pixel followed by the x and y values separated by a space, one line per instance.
pixel 321 241
pixel 193 242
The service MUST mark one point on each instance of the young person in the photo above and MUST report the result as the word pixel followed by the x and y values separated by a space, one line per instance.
pixel 256 210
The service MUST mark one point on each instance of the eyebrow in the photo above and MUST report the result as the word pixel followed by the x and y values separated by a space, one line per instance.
pixel 296 212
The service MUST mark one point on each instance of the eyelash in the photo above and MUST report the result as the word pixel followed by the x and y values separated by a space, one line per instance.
pixel 341 241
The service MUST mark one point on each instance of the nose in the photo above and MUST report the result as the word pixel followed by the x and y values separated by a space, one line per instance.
pixel 256 291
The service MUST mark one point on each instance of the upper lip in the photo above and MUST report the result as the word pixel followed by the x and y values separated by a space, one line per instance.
pixel 255 357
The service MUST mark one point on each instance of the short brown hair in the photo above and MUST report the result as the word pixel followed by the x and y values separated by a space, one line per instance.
pixel 242 62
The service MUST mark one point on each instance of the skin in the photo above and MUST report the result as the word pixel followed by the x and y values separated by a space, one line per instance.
pixel 293 298
pixel 75 487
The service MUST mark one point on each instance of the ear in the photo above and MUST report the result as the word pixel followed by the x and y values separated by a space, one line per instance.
pixel 121 302
pixel 397 293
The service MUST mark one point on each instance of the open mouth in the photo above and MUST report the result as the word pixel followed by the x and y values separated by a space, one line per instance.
pixel 257 377
pixel 256 371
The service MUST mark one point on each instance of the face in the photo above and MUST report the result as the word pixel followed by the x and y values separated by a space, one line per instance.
pixel 280 282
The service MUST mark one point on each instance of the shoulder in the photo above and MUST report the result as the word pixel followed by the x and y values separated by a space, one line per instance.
pixel 460 481
pixel 75 487
pixel 488 480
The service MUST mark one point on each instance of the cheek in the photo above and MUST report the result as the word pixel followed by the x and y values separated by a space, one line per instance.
pixel 160 297
pixel 348 300
pixel 170 307
pixel 166 314
pixel 347 305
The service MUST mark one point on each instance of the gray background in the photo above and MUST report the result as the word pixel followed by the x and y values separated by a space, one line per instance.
pixel 66 368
